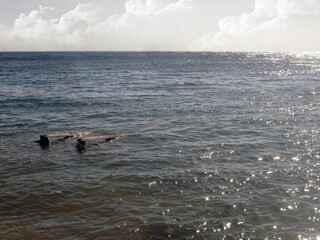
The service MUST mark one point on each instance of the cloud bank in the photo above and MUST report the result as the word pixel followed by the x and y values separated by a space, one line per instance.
pixel 170 25
pixel 274 25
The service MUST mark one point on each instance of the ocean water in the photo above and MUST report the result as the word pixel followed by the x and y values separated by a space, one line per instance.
pixel 241 160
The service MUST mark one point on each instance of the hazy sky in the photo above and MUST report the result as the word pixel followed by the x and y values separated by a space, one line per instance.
pixel 160 25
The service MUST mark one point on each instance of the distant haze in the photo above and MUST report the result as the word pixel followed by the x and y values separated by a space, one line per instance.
pixel 160 25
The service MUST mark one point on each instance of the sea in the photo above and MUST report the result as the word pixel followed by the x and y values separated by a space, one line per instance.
pixel 213 145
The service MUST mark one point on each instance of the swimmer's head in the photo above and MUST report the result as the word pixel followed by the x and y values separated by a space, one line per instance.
pixel 44 141
pixel 81 145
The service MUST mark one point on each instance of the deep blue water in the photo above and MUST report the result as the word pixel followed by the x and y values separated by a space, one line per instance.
pixel 242 162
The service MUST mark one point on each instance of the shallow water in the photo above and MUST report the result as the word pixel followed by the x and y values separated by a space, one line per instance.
pixel 242 162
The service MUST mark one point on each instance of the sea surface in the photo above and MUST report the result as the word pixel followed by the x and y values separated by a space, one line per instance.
pixel 240 160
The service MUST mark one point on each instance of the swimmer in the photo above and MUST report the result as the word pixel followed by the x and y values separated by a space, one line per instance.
pixel 81 142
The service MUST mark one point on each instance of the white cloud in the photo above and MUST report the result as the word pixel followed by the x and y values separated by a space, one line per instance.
pixel 274 25
pixel 170 25
pixel 146 25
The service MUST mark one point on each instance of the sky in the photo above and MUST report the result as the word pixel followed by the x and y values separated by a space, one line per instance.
pixel 160 25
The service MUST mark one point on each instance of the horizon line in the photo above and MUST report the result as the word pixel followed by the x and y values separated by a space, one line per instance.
pixel 152 51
